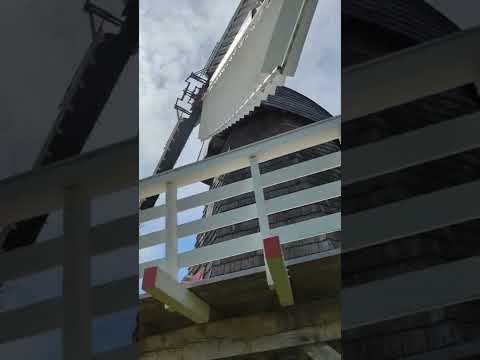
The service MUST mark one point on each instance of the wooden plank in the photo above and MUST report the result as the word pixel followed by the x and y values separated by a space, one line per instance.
pixel 275 330
pixel 164 288
pixel 203 198
pixel 47 315
pixel 42 256
pixel 304 197
pixel 245 213
pixel 302 169
pixel 456 54
pixel 41 191
pixel 271 148
pixel 413 292
pixel 253 242
pixel 444 139
pixel 289 233
pixel 305 168
pixel 408 217
pixel 278 270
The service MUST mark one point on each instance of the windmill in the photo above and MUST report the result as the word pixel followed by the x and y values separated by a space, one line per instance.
pixel 235 97
pixel 252 128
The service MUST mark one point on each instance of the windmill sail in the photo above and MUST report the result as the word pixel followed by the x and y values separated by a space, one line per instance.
pixel 266 50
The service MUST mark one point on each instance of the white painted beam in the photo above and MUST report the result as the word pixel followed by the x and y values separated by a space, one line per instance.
pixel 275 263
pixel 444 139
pixel 171 264
pixel 287 234
pixel 410 293
pixel 408 217
pixel 260 211
pixel 283 144
pixel 47 315
pixel 458 55
pixel 203 198
pixel 305 168
pixel 164 288
pixel 44 255
pixel 292 172
pixel 245 213
pixel 42 191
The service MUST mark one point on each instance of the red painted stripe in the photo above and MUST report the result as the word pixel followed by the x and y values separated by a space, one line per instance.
pixel 149 276
pixel 272 247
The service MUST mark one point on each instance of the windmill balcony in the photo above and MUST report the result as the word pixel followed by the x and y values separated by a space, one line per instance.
pixel 250 156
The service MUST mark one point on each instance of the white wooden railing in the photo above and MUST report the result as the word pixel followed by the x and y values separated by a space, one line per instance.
pixel 71 185
pixel 408 75
pixel 247 156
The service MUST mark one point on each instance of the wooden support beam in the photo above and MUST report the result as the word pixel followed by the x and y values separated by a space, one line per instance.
pixel 321 351
pixel 178 298
pixel 301 325
pixel 278 270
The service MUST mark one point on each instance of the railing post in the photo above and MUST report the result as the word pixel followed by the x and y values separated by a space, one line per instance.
pixel 171 230
pixel 77 298
pixel 261 210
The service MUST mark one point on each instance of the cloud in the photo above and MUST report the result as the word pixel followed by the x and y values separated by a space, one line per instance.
pixel 174 41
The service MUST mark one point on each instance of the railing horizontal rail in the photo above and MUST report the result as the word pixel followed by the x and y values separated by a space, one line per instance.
pixel 292 172
pixel 227 218
pixel 458 55
pixel 41 256
pixel 289 233
pixel 412 216
pixel 283 144
pixel 305 197
pixel 305 168
pixel 204 198
pixel 41 191
pixel 405 294
pixel 48 315
pixel 444 139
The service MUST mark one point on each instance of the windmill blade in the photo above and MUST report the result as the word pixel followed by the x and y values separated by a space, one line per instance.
pixel 80 109
pixel 173 149
pixel 265 50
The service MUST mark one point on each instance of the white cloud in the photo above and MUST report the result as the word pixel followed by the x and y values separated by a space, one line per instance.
pixel 174 41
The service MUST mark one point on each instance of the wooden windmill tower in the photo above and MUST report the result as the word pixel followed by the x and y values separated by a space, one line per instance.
pixel 271 159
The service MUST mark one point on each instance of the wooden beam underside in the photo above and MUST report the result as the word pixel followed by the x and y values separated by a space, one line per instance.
pixel 177 297
pixel 302 325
